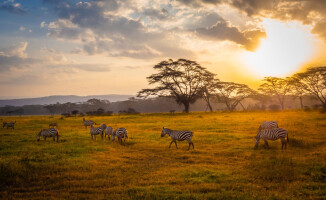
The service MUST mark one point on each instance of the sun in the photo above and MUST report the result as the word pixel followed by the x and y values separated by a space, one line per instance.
pixel 287 46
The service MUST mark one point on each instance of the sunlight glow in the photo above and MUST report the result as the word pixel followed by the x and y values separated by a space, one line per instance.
pixel 287 46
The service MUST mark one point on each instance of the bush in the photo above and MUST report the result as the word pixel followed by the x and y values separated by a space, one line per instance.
pixel 274 107
pixel 66 114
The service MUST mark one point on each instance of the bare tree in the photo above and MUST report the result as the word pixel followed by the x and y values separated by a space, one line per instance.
pixel 275 86
pixel 182 79
pixel 314 82
pixel 231 94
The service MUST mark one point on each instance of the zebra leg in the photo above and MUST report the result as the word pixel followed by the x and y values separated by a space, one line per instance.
pixel 283 143
pixel 53 137
pixel 176 143
pixel 266 144
pixel 171 143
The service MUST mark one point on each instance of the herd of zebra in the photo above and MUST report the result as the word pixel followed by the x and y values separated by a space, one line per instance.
pixel 268 130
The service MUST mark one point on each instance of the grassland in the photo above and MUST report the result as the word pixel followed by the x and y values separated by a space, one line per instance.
pixel 223 165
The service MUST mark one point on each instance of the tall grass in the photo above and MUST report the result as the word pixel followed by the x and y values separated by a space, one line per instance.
pixel 223 165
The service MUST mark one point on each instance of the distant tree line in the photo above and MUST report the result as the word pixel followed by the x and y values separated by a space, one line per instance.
pixel 186 81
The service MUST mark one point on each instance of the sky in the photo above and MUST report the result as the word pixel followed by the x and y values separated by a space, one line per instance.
pixel 69 47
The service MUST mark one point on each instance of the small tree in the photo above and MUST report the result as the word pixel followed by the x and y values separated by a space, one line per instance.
pixel 182 79
pixel 274 86
pixel 231 94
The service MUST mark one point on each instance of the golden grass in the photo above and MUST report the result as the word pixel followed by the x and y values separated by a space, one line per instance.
pixel 224 164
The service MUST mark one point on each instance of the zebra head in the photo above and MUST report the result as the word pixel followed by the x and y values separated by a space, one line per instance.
pixel 257 138
pixel 4 124
pixel 103 126
pixel 113 135
pixel 164 132
pixel 38 135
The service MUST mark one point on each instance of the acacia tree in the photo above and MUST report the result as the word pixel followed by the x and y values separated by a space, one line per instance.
pixel 208 89
pixel 297 88
pixel 182 79
pixel 313 81
pixel 231 94
pixel 275 86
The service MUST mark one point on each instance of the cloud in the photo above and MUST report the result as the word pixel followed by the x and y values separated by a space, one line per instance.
pixel 17 50
pixel 221 31
pixel 22 28
pixel 12 7
pixel 101 31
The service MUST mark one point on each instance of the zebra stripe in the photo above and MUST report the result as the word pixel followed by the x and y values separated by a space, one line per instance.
pixel 51 132
pixel 178 136
pixel 108 131
pixel 97 130
pixel 88 122
pixel 268 125
pixel 272 134
pixel 120 133
pixel 9 125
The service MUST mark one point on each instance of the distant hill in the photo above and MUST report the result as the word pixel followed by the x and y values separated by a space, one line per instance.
pixel 62 99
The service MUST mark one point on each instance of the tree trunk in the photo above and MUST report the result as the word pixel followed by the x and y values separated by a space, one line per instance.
pixel 186 105
pixel 209 105
pixel 242 106
pixel 301 102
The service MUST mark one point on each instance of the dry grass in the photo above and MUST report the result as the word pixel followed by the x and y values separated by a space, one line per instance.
pixel 224 164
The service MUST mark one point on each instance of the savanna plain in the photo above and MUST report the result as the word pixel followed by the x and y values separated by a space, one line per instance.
pixel 223 165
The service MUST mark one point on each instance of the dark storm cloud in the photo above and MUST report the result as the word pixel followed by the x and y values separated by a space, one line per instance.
pixel 12 7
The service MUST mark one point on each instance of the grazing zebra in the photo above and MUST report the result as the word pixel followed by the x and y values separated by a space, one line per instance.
pixel 178 136
pixel 272 134
pixel 53 125
pixel 108 131
pixel 97 130
pixel 10 124
pixel 120 133
pixel 51 132
pixel 268 125
pixel 88 122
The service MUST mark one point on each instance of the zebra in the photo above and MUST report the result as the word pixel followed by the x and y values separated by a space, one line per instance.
pixel 51 132
pixel 120 133
pixel 4 124
pixel 272 134
pixel 88 122
pixel 10 124
pixel 178 136
pixel 267 125
pixel 97 130
pixel 108 131
pixel 53 125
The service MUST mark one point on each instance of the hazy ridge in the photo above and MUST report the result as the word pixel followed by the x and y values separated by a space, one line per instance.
pixel 62 99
